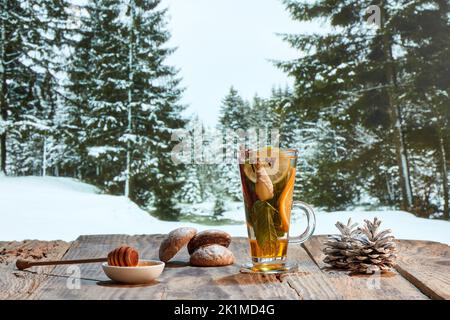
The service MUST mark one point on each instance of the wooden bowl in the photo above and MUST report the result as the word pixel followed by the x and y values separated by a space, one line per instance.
pixel 145 272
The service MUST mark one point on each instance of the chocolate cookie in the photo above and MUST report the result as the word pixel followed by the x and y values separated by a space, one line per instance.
pixel 175 240
pixel 208 237
pixel 212 256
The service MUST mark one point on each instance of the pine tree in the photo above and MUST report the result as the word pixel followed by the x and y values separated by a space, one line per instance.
pixel 191 192
pixel 262 115
pixel 284 117
pixel 425 32
pixel 130 108
pixel 350 77
pixel 326 177
pixel 234 116
pixel 287 120
pixel 234 112
pixel 78 90
pixel 3 107
pixel 97 94
pixel 30 37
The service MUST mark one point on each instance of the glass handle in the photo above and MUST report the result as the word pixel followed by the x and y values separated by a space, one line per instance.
pixel 310 216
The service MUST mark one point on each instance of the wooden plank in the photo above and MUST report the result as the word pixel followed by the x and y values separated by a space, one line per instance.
pixel 225 282
pixel 426 264
pixel 390 286
pixel 178 281
pixel 93 283
pixel 310 282
pixel 16 284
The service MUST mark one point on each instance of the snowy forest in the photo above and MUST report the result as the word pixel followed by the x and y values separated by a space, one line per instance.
pixel 86 92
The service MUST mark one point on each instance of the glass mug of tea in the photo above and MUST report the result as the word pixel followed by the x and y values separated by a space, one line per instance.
pixel 268 179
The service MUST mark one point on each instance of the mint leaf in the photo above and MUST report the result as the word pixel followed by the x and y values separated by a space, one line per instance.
pixel 277 221
pixel 263 225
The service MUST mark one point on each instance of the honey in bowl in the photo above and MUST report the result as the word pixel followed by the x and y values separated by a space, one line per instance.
pixel 123 256
pixel 148 263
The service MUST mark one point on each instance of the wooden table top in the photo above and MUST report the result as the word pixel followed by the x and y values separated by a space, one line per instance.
pixel 422 272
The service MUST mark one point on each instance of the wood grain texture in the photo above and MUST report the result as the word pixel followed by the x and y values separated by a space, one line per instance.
pixel 425 264
pixel 310 282
pixel 17 284
pixel 93 282
pixel 224 282
pixel 178 281
pixel 423 273
pixel 390 286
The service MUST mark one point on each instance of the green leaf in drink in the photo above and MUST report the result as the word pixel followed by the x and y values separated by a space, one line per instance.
pixel 262 217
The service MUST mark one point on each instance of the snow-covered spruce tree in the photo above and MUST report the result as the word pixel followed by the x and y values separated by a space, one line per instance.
pixel 425 30
pixel 30 38
pixel 262 114
pixel 78 90
pixel 235 114
pixel 289 121
pixel 277 113
pixel 191 191
pixel 283 117
pixel 202 157
pixel 356 72
pixel 130 105
pixel 97 115
pixel 324 177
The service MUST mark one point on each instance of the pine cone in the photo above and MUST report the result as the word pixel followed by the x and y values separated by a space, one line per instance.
pixel 338 247
pixel 361 250
pixel 378 252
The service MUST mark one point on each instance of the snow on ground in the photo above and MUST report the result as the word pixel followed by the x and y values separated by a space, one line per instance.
pixel 62 208
pixel 51 208
pixel 404 225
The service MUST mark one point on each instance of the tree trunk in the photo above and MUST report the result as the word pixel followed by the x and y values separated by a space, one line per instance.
pixel 444 173
pixel 130 100
pixel 395 113
pixel 402 159
pixel 389 188
pixel 3 152
pixel 44 158
pixel 3 106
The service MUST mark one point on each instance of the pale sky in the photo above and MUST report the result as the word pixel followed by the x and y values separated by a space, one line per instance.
pixel 228 42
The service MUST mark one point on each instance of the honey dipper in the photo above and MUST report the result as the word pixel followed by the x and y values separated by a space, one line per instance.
pixel 123 256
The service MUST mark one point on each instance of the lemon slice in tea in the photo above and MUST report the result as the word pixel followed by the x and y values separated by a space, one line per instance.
pixel 275 161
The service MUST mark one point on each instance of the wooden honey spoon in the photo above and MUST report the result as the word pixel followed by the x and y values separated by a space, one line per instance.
pixel 123 256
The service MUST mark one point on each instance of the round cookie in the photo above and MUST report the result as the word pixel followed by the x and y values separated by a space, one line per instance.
pixel 209 237
pixel 174 241
pixel 213 255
